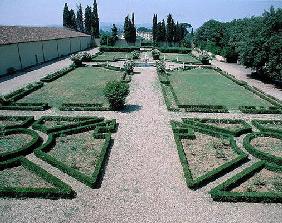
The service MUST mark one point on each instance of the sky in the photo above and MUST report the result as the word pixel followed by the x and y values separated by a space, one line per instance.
pixel 196 12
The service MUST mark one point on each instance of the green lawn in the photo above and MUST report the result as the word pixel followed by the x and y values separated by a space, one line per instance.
pixel 186 58
pixel 111 56
pixel 206 86
pixel 83 85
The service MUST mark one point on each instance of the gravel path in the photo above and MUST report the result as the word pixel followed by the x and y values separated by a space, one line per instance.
pixel 143 180
pixel 8 84
pixel 242 73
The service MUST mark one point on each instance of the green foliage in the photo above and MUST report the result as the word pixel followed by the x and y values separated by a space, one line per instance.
pixel 129 29
pixel 161 66
pixel 135 54
pixel 88 20
pixel 116 93
pixel 129 66
pixel 118 49
pixel 95 28
pixel 256 41
pixel 156 54
pixel 79 19
pixel 77 59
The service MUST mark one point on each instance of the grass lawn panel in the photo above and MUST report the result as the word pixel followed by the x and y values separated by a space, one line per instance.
pixel 79 151
pixel 21 177
pixel 206 153
pixel 112 56
pixel 263 181
pixel 83 85
pixel 208 87
pixel 8 143
pixel 186 58
pixel 269 145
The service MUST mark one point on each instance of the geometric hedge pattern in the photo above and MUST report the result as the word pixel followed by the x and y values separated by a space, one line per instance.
pixel 19 137
pixel 261 182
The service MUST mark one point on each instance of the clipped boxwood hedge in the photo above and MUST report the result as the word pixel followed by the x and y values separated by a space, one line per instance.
pixel 22 122
pixel 205 108
pixel 223 191
pixel 260 110
pixel 258 153
pixel 60 190
pixel 103 132
pixel 25 149
pixel 260 124
pixel 181 50
pixel 213 174
pixel 26 106
pixel 204 123
pixel 54 76
pixel 119 49
pixel 79 121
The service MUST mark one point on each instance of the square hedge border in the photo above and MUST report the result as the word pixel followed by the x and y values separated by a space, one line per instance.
pixel 101 131
pixel 223 192
pixel 61 190
pixel 213 174
pixel 8 102
pixel 275 109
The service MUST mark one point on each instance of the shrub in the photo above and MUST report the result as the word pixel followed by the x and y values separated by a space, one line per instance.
pixel 86 57
pixel 205 59
pixel 135 54
pixel 11 70
pixel 129 66
pixel 77 59
pixel 156 54
pixel 116 93
pixel 160 66
pixel 182 50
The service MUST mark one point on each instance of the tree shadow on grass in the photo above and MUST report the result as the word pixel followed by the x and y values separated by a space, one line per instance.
pixel 131 108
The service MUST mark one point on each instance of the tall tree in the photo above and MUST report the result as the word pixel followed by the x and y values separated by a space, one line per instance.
pixel 79 19
pixel 114 32
pixel 66 16
pixel 170 28
pixel 133 29
pixel 72 20
pixel 155 26
pixel 88 20
pixel 127 29
pixel 95 21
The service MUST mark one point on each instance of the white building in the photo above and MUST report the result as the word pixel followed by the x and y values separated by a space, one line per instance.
pixel 22 47
pixel 145 35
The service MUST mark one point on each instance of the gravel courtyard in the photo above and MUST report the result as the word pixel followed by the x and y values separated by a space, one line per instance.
pixel 143 180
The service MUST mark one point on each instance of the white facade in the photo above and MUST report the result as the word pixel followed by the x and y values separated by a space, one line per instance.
pixel 23 55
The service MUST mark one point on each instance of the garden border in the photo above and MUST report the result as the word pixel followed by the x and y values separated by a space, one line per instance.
pixel 223 191
pixel 259 125
pixel 61 190
pixel 25 149
pixel 100 132
pixel 26 122
pixel 258 153
pixel 216 172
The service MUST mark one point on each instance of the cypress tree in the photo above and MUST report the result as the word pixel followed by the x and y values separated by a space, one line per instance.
pixel 163 31
pixel 155 26
pixel 133 29
pixel 127 29
pixel 114 33
pixel 88 20
pixel 170 28
pixel 66 16
pixel 72 20
pixel 79 19
pixel 95 21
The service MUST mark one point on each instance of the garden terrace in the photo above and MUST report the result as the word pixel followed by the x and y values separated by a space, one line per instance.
pixel 81 88
pixel 210 90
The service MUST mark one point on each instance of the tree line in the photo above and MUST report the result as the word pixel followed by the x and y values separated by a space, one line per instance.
pixel 88 24
pixel 255 41
pixel 171 31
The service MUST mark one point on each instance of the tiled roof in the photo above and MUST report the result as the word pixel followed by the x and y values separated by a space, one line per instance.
pixel 19 34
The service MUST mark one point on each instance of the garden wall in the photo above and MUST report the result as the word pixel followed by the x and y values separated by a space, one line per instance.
pixel 24 55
